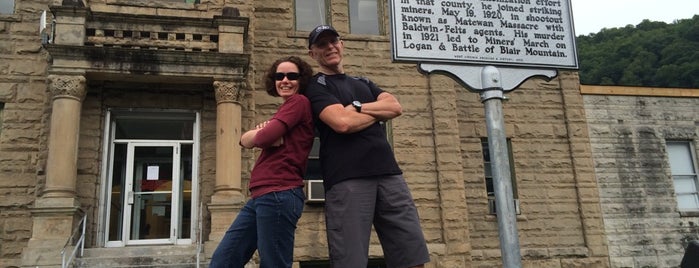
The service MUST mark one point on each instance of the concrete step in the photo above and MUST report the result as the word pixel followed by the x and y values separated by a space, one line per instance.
pixel 140 256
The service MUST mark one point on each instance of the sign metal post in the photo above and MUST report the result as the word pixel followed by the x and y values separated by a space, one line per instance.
pixel 492 98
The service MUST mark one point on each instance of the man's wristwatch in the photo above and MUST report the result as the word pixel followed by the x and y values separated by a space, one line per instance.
pixel 357 105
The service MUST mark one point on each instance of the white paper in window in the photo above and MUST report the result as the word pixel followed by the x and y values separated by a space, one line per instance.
pixel 159 211
pixel 153 173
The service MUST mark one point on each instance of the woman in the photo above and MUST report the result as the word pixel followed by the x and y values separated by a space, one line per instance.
pixel 268 220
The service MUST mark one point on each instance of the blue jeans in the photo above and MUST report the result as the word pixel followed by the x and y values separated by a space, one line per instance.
pixel 266 224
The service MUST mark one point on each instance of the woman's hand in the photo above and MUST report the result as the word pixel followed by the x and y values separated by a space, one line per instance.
pixel 277 143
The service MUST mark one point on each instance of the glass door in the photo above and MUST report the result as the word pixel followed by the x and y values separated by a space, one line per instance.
pixel 152 173
pixel 150 178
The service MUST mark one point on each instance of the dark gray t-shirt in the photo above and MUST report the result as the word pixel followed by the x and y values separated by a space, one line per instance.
pixel 345 156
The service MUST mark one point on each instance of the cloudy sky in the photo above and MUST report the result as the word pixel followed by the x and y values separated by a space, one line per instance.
pixel 590 16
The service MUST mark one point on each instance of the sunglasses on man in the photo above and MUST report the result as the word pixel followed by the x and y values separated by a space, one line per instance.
pixel 324 42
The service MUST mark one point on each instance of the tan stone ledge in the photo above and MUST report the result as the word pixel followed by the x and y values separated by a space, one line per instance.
pixel 56 202
pixel 227 201
pixel 56 211
pixel 11 18
pixel 639 91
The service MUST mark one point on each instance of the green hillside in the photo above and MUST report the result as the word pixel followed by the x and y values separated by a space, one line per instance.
pixel 652 54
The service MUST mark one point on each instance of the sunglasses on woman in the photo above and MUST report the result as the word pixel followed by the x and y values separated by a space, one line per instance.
pixel 290 76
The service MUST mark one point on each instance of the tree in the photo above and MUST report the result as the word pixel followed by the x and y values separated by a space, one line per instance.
pixel 653 54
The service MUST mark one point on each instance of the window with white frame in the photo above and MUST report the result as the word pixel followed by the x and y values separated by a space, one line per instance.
pixel 7 7
pixel 315 193
pixel 489 186
pixel 310 13
pixel 683 166
pixel 364 16
pixel 313 166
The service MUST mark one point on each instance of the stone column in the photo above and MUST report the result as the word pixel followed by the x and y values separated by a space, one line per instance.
pixel 57 210
pixel 228 150
pixel 61 166
pixel 228 198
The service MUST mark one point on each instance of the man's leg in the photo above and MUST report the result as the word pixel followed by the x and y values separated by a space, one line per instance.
pixel 398 226
pixel 349 209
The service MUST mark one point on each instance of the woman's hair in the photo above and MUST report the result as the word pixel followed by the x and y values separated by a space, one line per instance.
pixel 305 74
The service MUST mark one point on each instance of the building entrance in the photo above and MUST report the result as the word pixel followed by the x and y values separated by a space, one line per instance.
pixel 150 178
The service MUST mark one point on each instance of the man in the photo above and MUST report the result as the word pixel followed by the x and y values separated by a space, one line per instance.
pixel 363 183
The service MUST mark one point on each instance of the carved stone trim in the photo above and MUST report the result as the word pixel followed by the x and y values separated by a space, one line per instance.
pixel 228 91
pixel 67 86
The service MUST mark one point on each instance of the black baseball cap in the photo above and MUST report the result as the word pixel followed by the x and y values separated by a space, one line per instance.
pixel 313 36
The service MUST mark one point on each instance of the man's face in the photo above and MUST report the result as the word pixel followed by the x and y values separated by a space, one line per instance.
pixel 327 50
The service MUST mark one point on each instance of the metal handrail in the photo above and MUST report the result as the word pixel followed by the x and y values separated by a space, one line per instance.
pixel 79 245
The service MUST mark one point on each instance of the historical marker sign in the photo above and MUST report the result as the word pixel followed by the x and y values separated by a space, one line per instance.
pixel 534 33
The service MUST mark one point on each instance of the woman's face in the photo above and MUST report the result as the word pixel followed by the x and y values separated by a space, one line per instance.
pixel 287 79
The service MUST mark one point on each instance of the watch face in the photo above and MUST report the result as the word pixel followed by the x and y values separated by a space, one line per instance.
pixel 357 105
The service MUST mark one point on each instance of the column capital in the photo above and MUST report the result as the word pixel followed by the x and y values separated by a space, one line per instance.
pixel 67 86
pixel 228 91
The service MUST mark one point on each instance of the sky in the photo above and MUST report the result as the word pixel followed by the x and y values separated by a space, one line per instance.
pixel 590 16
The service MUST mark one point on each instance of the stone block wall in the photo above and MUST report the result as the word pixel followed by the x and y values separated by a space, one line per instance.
pixel 628 134
pixel 560 224
pixel 23 91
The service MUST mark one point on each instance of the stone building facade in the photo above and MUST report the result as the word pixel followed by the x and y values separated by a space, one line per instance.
pixel 630 132
pixel 128 116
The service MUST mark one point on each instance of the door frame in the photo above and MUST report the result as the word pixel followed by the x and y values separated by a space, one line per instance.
pixel 102 237
pixel 129 200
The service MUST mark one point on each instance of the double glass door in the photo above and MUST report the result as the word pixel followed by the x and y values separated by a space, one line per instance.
pixel 150 195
